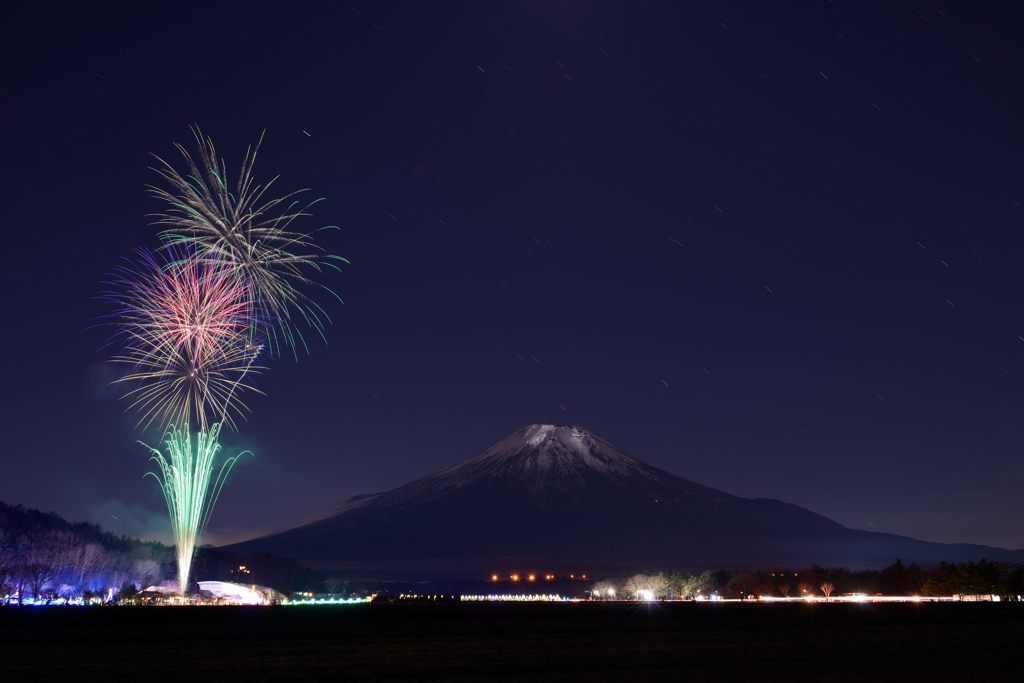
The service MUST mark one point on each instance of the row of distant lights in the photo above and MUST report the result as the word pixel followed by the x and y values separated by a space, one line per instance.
pixel 330 601
pixel 531 578
pixel 514 598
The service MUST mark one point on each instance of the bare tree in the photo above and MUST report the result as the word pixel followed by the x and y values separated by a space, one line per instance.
pixel 784 589
pixel 146 573
pixel 7 562
pixel 634 585
pixel 88 559
pixel 826 589
pixel 37 575
pixel 5 580
pixel 40 558
pixel 20 577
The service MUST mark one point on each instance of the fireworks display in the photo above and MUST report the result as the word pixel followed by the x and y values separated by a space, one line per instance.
pixel 238 226
pixel 186 326
pixel 226 285
pixel 186 477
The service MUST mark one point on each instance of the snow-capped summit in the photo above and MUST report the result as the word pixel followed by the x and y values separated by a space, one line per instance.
pixel 548 450
pixel 554 464
pixel 570 435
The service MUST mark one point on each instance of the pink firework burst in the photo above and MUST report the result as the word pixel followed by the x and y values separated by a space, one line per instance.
pixel 187 326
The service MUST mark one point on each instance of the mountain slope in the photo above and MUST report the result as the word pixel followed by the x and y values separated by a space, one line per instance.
pixel 558 498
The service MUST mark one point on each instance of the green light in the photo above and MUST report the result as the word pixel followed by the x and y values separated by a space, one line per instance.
pixel 189 487
pixel 329 601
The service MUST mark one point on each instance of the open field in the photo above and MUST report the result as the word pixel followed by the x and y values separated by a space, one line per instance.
pixel 584 642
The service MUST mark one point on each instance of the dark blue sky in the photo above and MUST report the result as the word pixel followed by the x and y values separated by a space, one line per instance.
pixel 776 251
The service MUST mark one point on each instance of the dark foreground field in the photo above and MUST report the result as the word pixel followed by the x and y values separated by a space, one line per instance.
pixel 584 642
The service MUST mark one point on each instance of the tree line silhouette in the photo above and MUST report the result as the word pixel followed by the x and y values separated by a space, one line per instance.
pixel 945 579
pixel 45 557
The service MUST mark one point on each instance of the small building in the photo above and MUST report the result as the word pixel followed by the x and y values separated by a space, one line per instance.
pixel 238 594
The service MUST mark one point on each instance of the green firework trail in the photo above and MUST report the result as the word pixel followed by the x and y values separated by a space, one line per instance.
pixel 186 478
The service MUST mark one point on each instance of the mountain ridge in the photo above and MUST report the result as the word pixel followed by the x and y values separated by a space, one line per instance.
pixel 560 496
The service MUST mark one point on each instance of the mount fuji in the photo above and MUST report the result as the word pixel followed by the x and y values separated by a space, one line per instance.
pixel 559 498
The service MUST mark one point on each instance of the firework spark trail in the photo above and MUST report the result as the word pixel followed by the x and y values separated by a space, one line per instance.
pixel 186 328
pixel 172 389
pixel 185 480
pixel 185 303
pixel 250 233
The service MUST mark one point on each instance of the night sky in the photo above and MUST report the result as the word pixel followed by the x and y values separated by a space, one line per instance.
pixel 775 251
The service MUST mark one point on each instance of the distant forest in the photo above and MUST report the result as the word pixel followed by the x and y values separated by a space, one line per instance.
pixel 43 556
pixel 944 579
